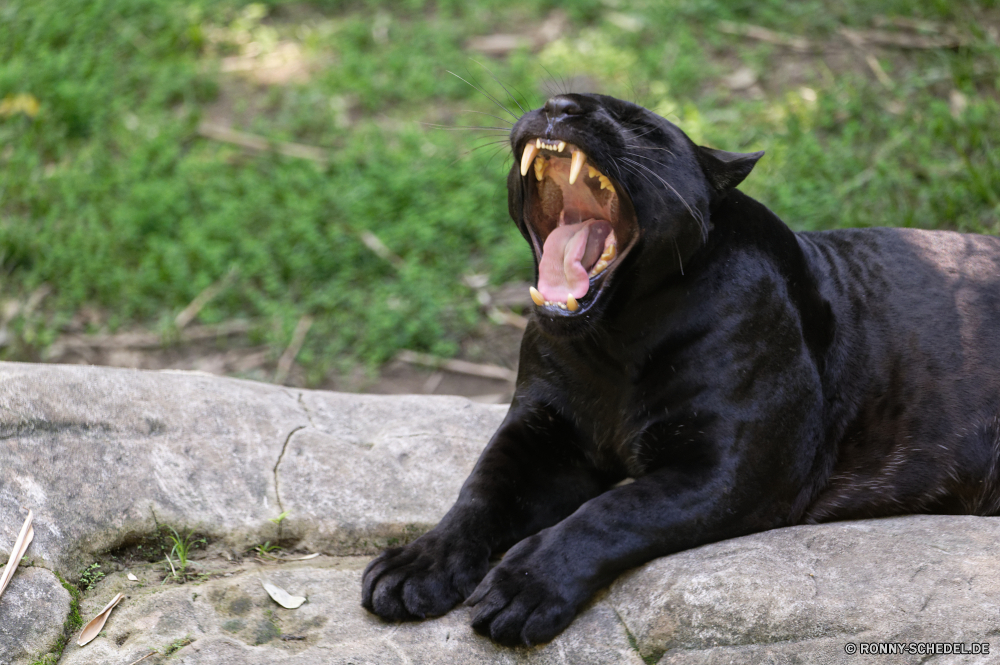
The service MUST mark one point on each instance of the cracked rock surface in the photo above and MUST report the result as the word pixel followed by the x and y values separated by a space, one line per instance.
pixel 109 459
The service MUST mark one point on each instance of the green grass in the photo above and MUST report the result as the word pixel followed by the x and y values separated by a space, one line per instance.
pixel 182 546
pixel 110 196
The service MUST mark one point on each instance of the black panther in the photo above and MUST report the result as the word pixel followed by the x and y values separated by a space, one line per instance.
pixel 695 371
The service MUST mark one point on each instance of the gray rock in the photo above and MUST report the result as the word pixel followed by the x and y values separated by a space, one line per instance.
pixel 98 452
pixel 95 452
pixel 807 591
pixel 371 470
pixel 232 620
pixel 33 610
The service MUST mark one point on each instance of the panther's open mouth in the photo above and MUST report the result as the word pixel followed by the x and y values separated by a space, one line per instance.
pixel 580 225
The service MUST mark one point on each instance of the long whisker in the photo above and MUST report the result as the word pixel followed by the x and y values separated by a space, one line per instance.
pixel 561 85
pixel 646 147
pixel 489 114
pixel 648 131
pixel 695 214
pixel 501 84
pixel 489 143
pixel 488 95
pixel 460 127
pixel 636 154
pixel 472 150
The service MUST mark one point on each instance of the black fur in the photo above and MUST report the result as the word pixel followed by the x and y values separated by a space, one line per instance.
pixel 745 376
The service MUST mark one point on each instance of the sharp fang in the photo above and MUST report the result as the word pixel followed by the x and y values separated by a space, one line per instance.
pixel 540 166
pixel 536 297
pixel 571 303
pixel 527 157
pixel 574 170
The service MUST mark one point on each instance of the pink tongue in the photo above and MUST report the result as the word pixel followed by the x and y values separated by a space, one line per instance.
pixel 569 252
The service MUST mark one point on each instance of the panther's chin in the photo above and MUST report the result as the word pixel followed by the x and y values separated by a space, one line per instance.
pixel 581 224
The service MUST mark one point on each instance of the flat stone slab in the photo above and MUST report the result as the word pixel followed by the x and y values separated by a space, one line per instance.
pixel 231 619
pixel 98 452
pixel 104 455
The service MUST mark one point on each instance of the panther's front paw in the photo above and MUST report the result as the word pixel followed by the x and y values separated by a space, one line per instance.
pixel 524 600
pixel 426 578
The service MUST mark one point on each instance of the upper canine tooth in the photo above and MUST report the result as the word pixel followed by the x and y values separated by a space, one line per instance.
pixel 574 169
pixel 527 157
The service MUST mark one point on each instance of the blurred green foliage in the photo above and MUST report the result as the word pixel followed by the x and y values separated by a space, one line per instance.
pixel 111 196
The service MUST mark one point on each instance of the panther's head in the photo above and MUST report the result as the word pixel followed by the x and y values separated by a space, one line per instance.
pixel 607 192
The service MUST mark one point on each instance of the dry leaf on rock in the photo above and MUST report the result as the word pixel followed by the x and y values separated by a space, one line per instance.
pixel 282 597
pixel 93 629
pixel 298 558
pixel 20 547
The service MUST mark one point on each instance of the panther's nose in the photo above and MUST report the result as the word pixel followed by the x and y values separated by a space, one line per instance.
pixel 560 106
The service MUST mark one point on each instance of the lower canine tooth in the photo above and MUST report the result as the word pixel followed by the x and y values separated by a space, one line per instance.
pixel 527 157
pixel 536 297
pixel 540 166
pixel 574 169
pixel 571 303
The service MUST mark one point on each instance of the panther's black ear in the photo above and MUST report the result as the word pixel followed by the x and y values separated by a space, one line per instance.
pixel 724 169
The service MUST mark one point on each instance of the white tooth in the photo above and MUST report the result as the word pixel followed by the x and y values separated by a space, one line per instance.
pixel 527 157
pixel 538 143
pixel 536 297
pixel 561 146
pixel 574 169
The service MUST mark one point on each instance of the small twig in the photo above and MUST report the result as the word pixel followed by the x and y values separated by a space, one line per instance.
pixel 188 313
pixel 372 242
pixel 261 144
pixel 506 317
pixel 147 340
pixel 36 298
pixel 151 653
pixel 800 44
pixel 457 366
pixel 288 357
pixel 858 42
pixel 903 40
pixel 433 381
